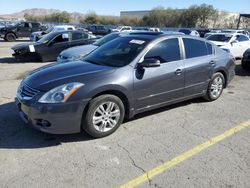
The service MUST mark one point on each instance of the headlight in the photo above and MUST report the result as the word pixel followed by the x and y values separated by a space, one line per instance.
pixel 60 94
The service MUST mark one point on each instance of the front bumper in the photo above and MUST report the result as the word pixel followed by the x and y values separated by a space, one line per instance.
pixel 64 118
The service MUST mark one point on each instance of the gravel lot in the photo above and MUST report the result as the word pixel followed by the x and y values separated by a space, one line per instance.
pixel 30 158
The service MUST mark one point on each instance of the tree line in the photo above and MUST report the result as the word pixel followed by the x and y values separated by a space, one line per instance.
pixel 202 16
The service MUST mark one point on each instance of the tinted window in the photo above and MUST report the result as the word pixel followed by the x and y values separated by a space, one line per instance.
pixel 79 36
pixel 26 24
pixel 185 31
pixel 106 39
pixel 61 38
pixel 118 52
pixel 35 24
pixel 165 51
pixel 220 37
pixel 209 49
pixel 242 38
pixel 194 48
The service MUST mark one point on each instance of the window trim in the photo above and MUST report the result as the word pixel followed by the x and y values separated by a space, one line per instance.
pixel 61 42
pixel 184 50
pixel 151 45
pixel 71 37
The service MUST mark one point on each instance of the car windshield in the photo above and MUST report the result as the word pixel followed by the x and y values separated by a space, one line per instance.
pixel 117 53
pixel 45 38
pixel 49 30
pixel 106 39
pixel 220 38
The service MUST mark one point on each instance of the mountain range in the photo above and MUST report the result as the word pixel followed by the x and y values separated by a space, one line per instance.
pixel 37 12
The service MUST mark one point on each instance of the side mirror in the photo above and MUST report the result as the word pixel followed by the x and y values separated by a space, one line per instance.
pixel 150 62
pixel 234 42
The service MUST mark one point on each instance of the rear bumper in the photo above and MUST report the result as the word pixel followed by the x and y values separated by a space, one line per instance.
pixel 231 73
pixel 63 118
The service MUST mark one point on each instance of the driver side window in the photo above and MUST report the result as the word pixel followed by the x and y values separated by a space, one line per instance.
pixel 165 51
pixel 64 37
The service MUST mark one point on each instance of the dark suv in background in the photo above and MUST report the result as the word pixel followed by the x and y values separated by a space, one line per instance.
pixel 126 76
pixel 22 29
pixel 98 29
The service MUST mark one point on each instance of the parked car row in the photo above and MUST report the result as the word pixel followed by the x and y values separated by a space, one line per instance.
pixel 119 76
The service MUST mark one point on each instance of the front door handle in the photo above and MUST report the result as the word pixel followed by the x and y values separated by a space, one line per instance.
pixel 178 72
pixel 212 62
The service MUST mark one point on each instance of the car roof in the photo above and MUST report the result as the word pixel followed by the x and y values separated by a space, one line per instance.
pixel 152 35
pixel 233 34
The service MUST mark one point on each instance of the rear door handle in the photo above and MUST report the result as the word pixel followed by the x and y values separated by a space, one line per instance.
pixel 178 72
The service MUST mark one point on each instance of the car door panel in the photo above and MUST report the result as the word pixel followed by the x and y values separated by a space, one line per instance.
pixel 199 65
pixel 197 74
pixel 158 85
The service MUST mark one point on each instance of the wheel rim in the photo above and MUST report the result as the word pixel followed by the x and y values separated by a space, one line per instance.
pixel 216 87
pixel 106 116
pixel 11 37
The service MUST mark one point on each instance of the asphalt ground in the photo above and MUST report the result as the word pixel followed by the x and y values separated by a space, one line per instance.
pixel 190 144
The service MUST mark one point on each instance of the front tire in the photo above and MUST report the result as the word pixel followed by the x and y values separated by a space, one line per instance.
pixel 10 37
pixel 215 87
pixel 104 116
pixel 245 65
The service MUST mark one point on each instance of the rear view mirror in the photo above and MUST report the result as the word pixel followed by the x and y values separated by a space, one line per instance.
pixel 151 62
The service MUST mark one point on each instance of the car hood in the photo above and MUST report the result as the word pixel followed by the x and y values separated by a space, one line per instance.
pixel 23 45
pixel 79 50
pixel 56 74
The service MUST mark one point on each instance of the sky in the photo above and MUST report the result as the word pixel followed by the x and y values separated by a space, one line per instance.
pixel 113 7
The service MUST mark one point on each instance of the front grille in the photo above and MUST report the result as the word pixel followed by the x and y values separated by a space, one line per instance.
pixel 27 92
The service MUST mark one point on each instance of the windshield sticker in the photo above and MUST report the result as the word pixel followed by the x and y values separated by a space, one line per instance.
pixel 32 48
pixel 134 41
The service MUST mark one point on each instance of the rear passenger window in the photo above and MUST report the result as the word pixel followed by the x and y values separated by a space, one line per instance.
pixel 77 36
pixel 166 51
pixel 242 38
pixel 209 49
pixel 194 48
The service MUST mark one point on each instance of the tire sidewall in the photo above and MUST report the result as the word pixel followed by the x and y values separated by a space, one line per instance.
pixel 88 124
pixel 216 75
pixel 10 37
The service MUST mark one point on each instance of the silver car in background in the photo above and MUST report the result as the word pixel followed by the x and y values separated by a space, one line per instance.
pixel 76 53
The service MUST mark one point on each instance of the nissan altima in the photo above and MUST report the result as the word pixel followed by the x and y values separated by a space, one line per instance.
pixel 127 76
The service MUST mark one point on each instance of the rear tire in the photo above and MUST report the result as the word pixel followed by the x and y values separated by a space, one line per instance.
pixel 10 37
pixel 215 87
pixel 245 66
pixel 104 116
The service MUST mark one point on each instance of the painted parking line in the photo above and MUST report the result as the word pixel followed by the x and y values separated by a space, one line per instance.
pixel 184 156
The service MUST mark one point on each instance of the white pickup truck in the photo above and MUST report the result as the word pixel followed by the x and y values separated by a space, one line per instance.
pixel 122 29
